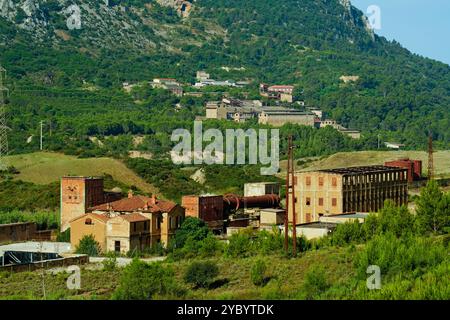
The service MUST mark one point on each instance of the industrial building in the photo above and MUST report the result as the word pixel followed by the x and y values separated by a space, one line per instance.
pixel 354 134
pixel 279 117
pixel 80 193
pixel 346 190
pixel 229 211
pixel 207 208
pixel 414 167
pixel 134 222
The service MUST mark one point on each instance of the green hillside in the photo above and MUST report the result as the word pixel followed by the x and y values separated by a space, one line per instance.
pixel 311 44
pixel 46 168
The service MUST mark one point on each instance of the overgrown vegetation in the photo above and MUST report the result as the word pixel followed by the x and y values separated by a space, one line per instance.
pixel 88 245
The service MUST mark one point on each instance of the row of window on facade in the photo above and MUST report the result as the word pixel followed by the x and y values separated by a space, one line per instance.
pixel 321 181
pixel 320 201
pixel 173 223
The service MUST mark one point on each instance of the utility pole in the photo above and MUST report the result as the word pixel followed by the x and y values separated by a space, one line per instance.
pixel 294 215
pixel 290 196
pixel 3 128
pixel 42 125
pixel 430 158
pixel 378 141
pixel 286 216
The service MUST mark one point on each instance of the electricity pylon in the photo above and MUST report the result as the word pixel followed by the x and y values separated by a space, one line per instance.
pixel 3 128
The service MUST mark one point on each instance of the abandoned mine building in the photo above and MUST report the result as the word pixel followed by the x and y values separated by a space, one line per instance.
pixel 414 167
pixel 347 190
pixel 120 225
pixel 232 211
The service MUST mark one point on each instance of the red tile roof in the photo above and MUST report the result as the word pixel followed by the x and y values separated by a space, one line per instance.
pixel 281 87
pixel 136 203
pixel 134 217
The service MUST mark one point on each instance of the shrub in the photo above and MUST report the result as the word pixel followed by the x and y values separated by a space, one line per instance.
pixel 258 273
pixel 239 245
pixel 394 255
pixel 201 273
pixel 88 245
pixel 110 263
pixel 315 284
pixel 142 281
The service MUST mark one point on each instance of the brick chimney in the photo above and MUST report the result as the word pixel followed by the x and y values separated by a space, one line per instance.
pixel 153 201
pixel 130 194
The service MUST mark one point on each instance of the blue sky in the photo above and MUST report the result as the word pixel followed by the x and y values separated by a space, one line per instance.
pixel 421 26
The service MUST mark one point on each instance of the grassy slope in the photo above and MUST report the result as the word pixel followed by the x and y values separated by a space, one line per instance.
pixel 361 158
pixel 287 276
pixel 44 168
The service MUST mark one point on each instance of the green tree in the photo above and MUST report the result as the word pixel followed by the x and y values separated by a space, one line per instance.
pixel 88 245
pixel 315 284
pixel 192 228
pixel 433 209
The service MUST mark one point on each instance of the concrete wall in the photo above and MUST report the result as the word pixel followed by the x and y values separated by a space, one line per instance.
pixel 271 217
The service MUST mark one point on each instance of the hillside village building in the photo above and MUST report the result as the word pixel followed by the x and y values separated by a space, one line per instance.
pixel 347 190
pixel 243 110
pixel 354 134
pixel 283 93
pixel 279 117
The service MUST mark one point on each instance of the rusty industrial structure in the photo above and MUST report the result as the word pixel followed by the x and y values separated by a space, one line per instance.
pixel 347 190
pixel 414 167
pixel 220 212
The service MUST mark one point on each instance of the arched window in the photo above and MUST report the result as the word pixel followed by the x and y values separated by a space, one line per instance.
pixel 88 221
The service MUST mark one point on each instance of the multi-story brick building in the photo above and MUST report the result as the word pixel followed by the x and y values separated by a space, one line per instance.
pixel 207 208
pixel 414 167
pixel 77 195
pixel 354 189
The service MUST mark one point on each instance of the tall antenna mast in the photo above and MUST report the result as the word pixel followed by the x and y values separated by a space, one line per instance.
pixel 430 158
pixel 3 128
